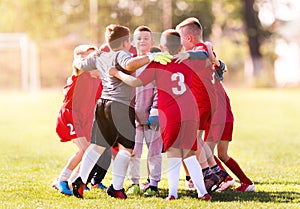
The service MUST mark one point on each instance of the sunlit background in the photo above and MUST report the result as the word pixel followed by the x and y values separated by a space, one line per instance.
pixel 257 39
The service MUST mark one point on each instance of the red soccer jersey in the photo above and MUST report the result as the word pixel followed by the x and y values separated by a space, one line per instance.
pixel 223 113
pixel 175 99
pixel 76 115
pixel 203 83
pixel 178 111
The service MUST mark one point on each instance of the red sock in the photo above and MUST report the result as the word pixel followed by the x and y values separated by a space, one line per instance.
pixel 219 163
pixel 221 166
pixel 235 168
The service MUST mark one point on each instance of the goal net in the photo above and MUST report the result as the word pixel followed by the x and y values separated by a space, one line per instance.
pixel 19 63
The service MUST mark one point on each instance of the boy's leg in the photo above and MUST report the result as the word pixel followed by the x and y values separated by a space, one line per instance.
pixel 119 170
pixel 100 169
pixel 154 158
pixel 135 161
pixel 173 172
pixel 194 167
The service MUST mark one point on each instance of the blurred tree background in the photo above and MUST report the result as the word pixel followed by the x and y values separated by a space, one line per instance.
pixel 247 46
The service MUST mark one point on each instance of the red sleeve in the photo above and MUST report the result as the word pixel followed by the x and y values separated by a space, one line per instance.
pixel 148 74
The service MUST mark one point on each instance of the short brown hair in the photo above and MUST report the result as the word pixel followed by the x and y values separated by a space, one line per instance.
pixel 171 39
pixel 116 34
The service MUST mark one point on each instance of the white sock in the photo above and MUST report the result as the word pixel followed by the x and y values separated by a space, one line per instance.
pixel 73 176
pixel 65 174
pixel 89 159
pixel 119 169
pixel 195 171
pixel 173 175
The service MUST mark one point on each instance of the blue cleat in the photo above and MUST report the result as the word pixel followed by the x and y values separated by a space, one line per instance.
pixel 99 186
pixel 63 187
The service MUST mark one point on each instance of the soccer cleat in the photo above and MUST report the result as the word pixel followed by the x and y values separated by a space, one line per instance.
pixel 116 193
pixel 64 188
pixel 78 188
pixel 145 186
pixel 170 198
pixel 189 185
pixel 245 188
pixel 205 197
pixel 211 182
pixel 55 184
pixel 99 186
pixel 229 182
pixel 151 191
pixel 222 175
pixel 86 188
pixel 134 189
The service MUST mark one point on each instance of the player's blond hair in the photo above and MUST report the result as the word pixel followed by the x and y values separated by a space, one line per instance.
pixel 190 26
pixel 78 52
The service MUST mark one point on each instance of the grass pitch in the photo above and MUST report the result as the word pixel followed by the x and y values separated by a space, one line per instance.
pixel 266 145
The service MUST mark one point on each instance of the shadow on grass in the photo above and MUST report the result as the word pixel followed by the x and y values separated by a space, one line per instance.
pixel 261 196
pixel 229 196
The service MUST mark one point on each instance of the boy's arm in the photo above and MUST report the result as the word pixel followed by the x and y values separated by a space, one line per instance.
pixel 139 61
pixel 191 55
pixel 88 63
pixel 220 66
pixel 128 79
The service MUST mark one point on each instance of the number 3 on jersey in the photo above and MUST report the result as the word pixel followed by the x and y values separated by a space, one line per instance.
pixel 181 88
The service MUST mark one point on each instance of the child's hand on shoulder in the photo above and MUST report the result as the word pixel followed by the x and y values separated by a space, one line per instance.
pixel 181 57
pixel 112 71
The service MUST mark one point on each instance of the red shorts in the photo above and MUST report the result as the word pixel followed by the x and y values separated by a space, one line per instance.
pixel 64 125
pixel 180 135
pixel 216 132
pixel 205 115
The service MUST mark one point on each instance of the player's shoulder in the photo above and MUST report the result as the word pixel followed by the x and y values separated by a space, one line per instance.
pixel 123 52
pixel 200 46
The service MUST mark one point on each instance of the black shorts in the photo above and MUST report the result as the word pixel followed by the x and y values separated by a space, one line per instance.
pixel 114 123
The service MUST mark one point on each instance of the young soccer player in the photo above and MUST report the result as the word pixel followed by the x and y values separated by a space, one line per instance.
pixel 178 114
pixel 218 130
pixel 145 107
pixel 190 30
pixel 74 121
pixel 114 117
pixel 219 133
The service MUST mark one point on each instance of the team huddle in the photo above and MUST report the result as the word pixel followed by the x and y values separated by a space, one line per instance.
pixel 171 97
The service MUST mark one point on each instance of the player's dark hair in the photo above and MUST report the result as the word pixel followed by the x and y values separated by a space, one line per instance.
pixel 116 34
pixel 143 28
pixel 154 49
pixel 172 40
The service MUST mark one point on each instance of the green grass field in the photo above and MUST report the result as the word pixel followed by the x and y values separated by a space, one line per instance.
pixel 266 145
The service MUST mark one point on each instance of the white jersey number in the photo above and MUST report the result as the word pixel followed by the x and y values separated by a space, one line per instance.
pixel 72 131
pixel 181 88
pixel 213 78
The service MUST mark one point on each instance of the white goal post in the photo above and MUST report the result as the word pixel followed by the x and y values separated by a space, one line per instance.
pixel 30 77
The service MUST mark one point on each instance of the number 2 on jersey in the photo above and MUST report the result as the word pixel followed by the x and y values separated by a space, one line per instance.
pixel 181 88
pixel 72 131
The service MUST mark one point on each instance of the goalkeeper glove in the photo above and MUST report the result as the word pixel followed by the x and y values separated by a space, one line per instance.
pixel 162 58
pixel 221 69
pixel 153 122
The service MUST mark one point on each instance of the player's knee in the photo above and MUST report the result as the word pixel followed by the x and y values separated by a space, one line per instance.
pixel 223 156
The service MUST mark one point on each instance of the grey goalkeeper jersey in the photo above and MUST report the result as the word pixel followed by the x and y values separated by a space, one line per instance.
pixel 113 88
